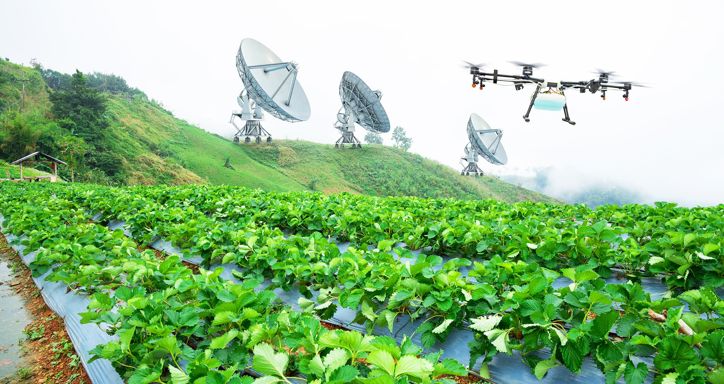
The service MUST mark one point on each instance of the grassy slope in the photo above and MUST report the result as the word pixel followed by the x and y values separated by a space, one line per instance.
pixel 13 171
pixel 160 148
pixel 146 130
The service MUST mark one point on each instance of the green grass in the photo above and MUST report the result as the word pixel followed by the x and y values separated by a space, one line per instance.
pixel 142 128
pixel 13 171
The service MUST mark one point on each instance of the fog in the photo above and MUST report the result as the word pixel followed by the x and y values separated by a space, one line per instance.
pixel 664 144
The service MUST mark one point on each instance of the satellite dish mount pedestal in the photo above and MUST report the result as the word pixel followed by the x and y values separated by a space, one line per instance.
pixel 345 123
pixel 252 127
pixel 471 158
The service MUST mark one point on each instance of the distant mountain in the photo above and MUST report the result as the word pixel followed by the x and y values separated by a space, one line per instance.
pixel 145 144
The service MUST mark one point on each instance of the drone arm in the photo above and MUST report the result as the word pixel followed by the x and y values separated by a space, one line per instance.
pixel 495 77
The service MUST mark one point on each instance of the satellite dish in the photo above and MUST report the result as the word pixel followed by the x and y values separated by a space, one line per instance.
pixel 360 105
pixel 271 85
pixel 486 141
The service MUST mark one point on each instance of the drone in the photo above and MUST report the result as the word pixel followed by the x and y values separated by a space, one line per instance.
pixel 549 96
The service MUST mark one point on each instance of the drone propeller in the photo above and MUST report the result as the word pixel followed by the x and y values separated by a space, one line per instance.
pixel 604 75
pixel 470 65
pixel 632 84
pixel 531 65
pixel 600 71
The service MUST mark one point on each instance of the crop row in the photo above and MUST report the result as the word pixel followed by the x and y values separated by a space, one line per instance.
pixel 682 244
pixel 176 326
pixel 511 303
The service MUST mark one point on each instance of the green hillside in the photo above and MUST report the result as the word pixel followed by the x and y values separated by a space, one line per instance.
pixel 8 171
pixel 145 144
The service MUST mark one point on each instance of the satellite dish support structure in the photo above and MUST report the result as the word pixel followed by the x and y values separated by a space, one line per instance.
pixel 345 123
pixel 471 162
pixel 252 120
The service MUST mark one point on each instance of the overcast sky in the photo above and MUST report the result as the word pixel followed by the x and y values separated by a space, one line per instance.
pixel 665 143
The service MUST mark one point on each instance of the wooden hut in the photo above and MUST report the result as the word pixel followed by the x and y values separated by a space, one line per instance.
pixel 40 156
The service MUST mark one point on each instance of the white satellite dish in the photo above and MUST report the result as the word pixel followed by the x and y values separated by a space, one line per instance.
pixel 270 84
pixel 360 105
pixel 484 141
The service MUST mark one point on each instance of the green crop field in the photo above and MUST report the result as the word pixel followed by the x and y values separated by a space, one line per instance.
pixel 524 278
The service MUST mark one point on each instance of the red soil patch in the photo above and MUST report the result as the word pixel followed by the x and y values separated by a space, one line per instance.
pixel 50 354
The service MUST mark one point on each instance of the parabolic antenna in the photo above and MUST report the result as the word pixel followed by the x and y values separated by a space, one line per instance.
pixel 360 105
pixel 485 142
pixel 269 84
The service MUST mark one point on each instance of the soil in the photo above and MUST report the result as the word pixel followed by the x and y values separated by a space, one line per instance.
pixel 469 379
pixel 49 356
pixel 332 327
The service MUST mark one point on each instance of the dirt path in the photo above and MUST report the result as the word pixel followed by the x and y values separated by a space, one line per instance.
pixel 46 352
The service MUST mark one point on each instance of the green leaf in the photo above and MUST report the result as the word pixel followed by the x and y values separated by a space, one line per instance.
pixel 688 238
pixel 709 248
pixel 543 366
pixel 443 326
pixel 674 353
pixel 335 359
pixel 144 375
pixel 670 378
pixel 368 312
pixel 221 341
pixel 390 319
pixel 168 344
pixel 561 336
pixel 635 374
pixel 124 337
pixel 450 367
pixel 499 339
pixel 316 366
pixel 178 376
pixel 224 317
pixel 228 258
pixel 413 366
pixel 655 260
pixel 344 374
pixel 603 323
pixel 382 360
pixel 572 356
pixel 267 362
pixel 485 323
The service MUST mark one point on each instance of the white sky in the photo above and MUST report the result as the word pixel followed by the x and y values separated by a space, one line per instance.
pixel 666 143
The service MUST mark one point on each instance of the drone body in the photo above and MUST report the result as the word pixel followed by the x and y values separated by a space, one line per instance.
pixel 549 96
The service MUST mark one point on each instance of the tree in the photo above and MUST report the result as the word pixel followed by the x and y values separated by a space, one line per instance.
pixel 19 138
pixel 81 109
pixel 373 138
pixel 400 139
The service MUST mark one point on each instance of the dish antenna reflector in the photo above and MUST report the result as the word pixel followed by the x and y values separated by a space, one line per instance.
pixel 360 105
pixel 485 142
pixel 270 85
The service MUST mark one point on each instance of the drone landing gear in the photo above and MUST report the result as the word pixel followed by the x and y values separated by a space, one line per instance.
pixel 566 117
pixel 252 129
pixel 526 117
pixel 472 169
pixel 348 138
